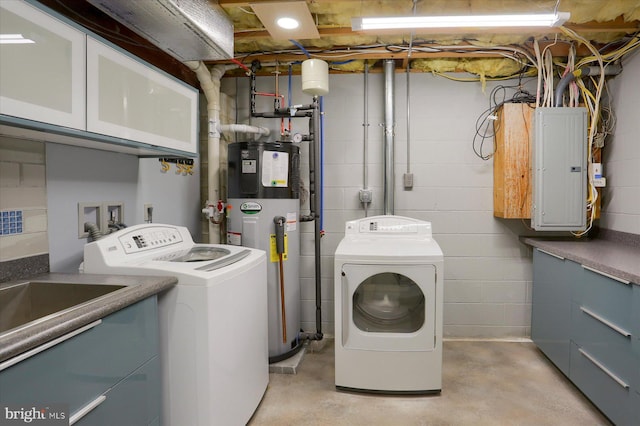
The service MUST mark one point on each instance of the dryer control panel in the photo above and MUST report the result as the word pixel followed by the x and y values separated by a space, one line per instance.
pixel 388 225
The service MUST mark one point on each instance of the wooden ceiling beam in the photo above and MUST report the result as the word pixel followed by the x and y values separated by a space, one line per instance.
pixel 341 53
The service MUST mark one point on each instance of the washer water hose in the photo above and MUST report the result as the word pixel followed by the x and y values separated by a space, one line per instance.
pixel 93 230
pixel 279 222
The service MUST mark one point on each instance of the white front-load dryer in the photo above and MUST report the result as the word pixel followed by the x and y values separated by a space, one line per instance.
pixel 388 307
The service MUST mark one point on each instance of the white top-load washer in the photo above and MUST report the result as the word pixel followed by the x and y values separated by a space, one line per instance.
pixel 213 323
pixel 388 306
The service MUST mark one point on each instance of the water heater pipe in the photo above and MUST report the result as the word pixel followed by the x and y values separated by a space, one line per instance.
pixel 313 112
pixel 245 128
pixel 389 133
pixel 210 83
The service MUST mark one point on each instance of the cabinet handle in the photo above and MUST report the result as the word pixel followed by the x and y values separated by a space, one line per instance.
pixel 86 409
pixel 604 369
pixel 622 280
pixel 550 254
pixel 608 323
pixel 16 359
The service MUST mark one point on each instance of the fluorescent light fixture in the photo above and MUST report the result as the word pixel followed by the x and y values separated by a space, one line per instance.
pixel 288 23
pixel 14 39
pixel 463 21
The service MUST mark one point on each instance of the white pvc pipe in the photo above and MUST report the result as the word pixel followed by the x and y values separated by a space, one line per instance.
pixel 244 128
pixel 210 83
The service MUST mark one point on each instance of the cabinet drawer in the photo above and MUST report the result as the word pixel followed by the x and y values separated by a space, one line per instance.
pixel 611 346
pixel 78 370
pixel 607 296
pixel 133 401
pixel 612 398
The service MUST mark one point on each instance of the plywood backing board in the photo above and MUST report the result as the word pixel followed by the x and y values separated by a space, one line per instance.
pixel 511 161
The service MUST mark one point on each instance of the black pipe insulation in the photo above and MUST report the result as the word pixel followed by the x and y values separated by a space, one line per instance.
pixel 317 236
pixel 312 111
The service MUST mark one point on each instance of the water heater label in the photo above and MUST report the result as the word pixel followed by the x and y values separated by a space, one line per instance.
pixel 249 166
pixel 275 169
pixel 234 238
pixel 250 207
pixel 273 251
pixel 292 222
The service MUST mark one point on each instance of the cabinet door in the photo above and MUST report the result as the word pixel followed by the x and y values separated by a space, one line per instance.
pixel 134 401
pixel 130 100
pixel 78 370
pixel 551 307
pixel 42 70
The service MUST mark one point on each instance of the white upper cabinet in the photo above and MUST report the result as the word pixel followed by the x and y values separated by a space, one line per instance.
pixel 42 67
pixel 130 100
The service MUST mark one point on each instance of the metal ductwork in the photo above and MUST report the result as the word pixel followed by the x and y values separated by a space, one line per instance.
pixel 389 134
pixel 187 30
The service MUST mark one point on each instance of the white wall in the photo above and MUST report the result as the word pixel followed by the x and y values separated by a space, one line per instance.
pixel 77 174
pixel 487 270
pixel 621 198
pixel 175 197
pixel 23 189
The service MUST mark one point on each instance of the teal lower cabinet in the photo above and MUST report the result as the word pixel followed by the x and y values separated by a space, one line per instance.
pixel 551 308
pixel 611 394
pixel 115 357
pixel 598 321
pixel 134 401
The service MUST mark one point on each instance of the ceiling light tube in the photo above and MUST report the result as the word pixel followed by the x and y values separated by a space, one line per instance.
pixel 488 21
pixel 14 39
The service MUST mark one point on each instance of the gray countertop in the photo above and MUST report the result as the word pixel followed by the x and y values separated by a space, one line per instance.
pixel 21 339
pixel 611 257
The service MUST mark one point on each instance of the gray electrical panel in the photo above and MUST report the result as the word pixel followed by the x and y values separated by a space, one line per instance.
pixel 559 156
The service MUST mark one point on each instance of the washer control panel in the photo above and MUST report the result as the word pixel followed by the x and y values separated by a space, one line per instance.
pixel 149 238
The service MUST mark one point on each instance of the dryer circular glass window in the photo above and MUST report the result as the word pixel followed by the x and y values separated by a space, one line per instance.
pixel 388 303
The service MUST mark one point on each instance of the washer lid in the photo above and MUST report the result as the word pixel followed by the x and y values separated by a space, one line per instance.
pixel 216 257
pixel 197 254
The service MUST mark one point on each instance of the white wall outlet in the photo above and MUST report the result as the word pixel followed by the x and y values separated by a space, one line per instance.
pixel 600 182
pixel 88 212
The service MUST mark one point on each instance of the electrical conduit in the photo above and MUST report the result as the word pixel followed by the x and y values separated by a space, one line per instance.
pixel 581 72
pixel 389 134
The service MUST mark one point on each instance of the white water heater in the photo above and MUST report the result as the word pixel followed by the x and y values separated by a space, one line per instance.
pixel 263 212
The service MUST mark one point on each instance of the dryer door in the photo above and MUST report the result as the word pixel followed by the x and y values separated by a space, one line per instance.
pixel 388 307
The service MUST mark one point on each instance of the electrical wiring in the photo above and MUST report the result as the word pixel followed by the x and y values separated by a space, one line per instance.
pixel 485 123
pixel 593 108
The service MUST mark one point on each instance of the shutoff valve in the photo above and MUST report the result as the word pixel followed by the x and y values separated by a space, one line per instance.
pixel 215 212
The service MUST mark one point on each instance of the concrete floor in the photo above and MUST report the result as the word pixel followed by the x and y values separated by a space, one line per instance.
pixel 484 383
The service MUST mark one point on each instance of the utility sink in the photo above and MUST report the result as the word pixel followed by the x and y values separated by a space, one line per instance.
pixel 28 302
